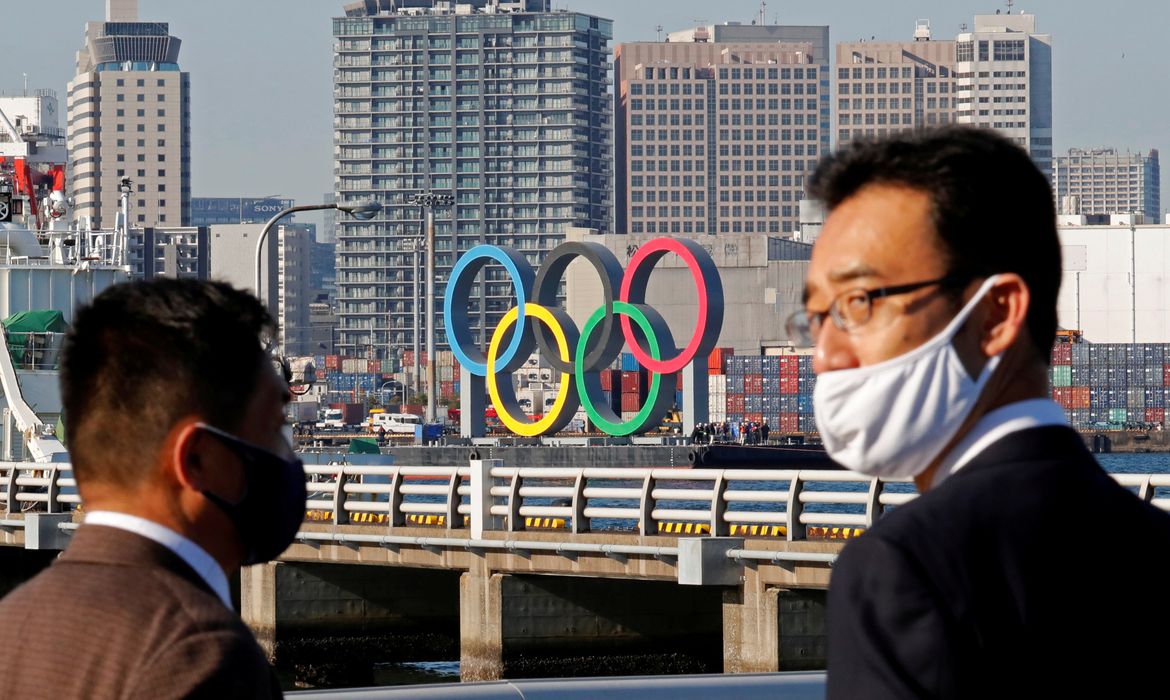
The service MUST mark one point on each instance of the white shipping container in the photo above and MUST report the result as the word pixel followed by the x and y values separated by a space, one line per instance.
pixel 353 366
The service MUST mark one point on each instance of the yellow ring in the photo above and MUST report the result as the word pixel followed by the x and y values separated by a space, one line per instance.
pixel 525 427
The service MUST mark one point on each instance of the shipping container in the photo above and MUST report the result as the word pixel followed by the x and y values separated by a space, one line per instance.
pixel 631 402
pixel 333 363
pixel 716 361
pixel 629 363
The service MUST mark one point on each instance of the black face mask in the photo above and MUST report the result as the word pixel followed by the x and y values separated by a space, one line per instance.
pixel 272 508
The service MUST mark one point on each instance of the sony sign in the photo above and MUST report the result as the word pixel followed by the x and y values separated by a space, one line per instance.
pixel 260 210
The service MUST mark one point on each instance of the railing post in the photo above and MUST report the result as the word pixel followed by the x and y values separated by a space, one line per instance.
pixel 394 515
pixel 481 497
pixel 53 490
pixel 515 522
pixel 646 525
pixel 340 514
pixel 796 530
pixel 873 503
pixel 580 522
pixel 453 501
pixel 1145 492
pixel 719 525
pixel 10 489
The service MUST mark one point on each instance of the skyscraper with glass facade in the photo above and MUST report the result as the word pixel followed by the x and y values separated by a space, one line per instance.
pixel 502 104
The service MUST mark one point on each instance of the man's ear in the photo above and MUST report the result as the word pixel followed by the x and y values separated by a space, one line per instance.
pixel 1007 302
pixel 184 457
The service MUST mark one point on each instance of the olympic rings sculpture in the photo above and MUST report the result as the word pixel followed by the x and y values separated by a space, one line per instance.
pixel 579 356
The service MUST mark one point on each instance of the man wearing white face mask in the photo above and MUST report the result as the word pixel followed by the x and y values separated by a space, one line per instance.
pixel 931 299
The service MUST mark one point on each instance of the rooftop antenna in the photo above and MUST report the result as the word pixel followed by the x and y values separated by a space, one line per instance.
pixel 1009 6
pixel 25 84
pixel 658 28
pixel 763 12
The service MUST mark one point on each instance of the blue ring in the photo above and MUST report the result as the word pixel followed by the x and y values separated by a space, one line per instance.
pixel 459 335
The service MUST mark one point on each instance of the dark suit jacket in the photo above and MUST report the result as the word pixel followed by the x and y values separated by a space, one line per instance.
pixel 120 616
pixel 1027 573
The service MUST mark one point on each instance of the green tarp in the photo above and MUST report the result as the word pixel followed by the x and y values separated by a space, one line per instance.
pixel 23 326
pixel 363 446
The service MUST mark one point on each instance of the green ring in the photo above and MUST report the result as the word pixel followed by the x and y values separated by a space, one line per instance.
pixel 639 421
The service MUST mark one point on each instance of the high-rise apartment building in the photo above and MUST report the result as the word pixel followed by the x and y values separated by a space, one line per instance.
pixel 501 103
pixel 1004 81
pixel 717 127
pixel 886 87
pixel 1101 182
pixel 129 117
pixel 168 252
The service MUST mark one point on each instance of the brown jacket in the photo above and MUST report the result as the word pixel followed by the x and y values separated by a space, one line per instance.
pixel 120 616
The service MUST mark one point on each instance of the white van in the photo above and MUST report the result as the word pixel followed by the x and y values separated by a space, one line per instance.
pixel 395 422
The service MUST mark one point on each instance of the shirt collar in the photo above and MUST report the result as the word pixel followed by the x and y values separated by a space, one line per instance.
pixel 997 424
pixel 195 556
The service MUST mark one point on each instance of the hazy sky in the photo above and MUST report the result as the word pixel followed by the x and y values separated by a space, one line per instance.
pixel 262 80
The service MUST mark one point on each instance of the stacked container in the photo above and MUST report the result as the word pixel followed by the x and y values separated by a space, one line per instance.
pixel 1111 385
pixel 773 389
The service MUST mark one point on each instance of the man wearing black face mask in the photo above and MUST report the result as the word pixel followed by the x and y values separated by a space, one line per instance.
pixel 174 415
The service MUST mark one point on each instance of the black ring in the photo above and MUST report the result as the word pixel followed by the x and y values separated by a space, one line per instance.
pixel 609 343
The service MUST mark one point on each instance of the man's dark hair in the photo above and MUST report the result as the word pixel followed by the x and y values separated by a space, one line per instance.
pixel 992 207
pixel 146 354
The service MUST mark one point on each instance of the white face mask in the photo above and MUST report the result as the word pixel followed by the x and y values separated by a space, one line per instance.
pixel 892 419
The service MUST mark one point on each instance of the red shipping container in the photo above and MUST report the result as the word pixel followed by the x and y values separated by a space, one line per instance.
pixel 374 366
pixel 333 362
pixel 1166 375
pixel 631 382
pixel 631 402
pixel 446 389
pixel 1078 396
pixel 1062 354
pixel 734 403
pixel 789 364
pixel 717 360
pixel 1061 397
pixel 754 417
pixel 789 384
pixel 1155 415
pixel 753 384
pixel 607 379
pixel 789 423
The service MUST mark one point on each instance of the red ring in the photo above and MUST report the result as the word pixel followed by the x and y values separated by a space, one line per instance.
pixel 678 362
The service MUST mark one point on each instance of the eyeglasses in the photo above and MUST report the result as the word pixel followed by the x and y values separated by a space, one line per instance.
pixel 850 309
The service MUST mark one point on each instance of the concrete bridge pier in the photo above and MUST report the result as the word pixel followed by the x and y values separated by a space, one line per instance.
pixel 767 628
pixel 323 620
pixel 517 625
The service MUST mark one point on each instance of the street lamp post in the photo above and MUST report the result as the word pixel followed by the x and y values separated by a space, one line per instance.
pixel 428 201
pixel 363 211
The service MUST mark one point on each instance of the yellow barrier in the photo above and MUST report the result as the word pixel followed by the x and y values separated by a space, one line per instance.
pixel 705 528
pixel 835 533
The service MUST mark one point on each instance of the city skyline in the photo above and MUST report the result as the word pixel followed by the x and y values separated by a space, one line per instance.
pixel 1100 99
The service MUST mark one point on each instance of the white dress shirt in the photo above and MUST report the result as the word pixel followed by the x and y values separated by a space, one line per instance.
pixel 997 424
pixel 194 555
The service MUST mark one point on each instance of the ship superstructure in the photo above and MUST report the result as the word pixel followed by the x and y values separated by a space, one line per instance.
pixel 48 269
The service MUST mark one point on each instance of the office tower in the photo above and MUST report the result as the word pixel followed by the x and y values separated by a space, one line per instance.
pixel 1101 182
pixel 1004 81
pixel 285 278
pixel 129 117
pixel 502 104
pixel 885 87
pixel 208 211
pixel 717 127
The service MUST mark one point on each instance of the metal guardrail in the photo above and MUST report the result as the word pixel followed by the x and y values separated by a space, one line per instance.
pixel 486 496
pixel 744 686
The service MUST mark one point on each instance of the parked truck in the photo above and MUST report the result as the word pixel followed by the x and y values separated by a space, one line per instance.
pixel 341 416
